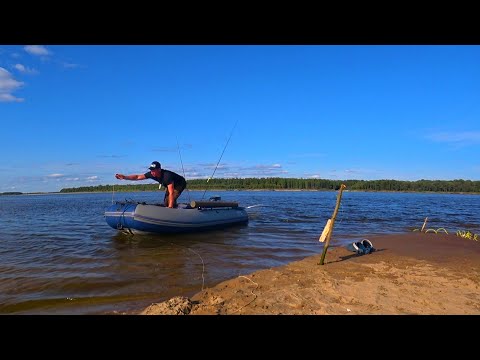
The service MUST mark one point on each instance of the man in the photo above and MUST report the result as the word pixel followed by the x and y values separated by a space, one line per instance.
pixel 173 182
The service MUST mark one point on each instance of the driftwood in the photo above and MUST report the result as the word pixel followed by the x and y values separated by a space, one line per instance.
pixel 424 223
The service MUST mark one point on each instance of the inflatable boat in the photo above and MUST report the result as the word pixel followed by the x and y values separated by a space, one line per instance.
pixel 140 217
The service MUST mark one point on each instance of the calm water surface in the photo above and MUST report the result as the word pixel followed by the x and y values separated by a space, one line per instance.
pixel 59 256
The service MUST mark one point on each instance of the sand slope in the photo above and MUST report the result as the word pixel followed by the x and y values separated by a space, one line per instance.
pixel 411 273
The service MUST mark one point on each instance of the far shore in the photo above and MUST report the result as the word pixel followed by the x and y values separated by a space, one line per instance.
pixel 412 273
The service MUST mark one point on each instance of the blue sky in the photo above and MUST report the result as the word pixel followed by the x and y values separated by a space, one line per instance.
pixel 76 115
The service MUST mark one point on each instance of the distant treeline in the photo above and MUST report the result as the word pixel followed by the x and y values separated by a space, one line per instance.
pixel 450 186
pixel 11 193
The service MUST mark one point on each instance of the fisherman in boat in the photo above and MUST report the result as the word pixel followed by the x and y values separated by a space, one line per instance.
pixel 174 183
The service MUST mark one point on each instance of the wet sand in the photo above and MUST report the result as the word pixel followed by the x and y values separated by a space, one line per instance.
pixel 413 273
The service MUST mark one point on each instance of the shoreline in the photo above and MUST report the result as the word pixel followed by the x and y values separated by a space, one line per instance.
pixel 412 273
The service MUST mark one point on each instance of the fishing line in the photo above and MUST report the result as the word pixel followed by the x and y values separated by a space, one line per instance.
pixel 189 249
pixel 231 133
pixel 203 266
pixel 181 162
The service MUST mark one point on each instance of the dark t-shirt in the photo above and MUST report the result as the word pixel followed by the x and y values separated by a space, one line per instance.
pixel 168 177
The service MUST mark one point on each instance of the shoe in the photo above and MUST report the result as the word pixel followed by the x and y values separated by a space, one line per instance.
pixel 367 244
pixel 362 250
pixel 357 247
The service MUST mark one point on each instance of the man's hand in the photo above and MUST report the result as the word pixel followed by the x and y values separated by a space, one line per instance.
pixel 120 176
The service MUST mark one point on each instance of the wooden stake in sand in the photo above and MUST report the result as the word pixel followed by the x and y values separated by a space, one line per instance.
pixel 327 231
pixel 424 223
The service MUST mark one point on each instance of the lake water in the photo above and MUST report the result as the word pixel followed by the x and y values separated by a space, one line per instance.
pixel 59 256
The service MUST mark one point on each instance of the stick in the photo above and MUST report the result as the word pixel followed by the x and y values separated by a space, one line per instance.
pixel 327 242
pixel 424 223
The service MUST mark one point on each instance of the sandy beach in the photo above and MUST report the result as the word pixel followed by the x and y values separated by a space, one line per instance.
pixel 412 273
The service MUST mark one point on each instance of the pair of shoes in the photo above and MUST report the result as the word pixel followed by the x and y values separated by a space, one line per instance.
pixel 357 247
pixel 361 247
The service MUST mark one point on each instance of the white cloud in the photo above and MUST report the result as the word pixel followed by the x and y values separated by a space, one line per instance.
pixel 91 178
pixel 8 85
pixel 24 69
pixel 20 67
pixel 212 166
pixel 70 65
pixel 9 98
pixel 455 137
pixel 263 171
pixel 38 50
pixel 227 171
pixel 264 167
pixel 55 175
pixel 165 149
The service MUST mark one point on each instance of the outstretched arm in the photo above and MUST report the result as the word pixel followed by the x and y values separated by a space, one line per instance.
pixel 130 177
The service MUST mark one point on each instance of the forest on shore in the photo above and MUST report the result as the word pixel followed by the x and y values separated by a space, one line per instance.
pixel 276 183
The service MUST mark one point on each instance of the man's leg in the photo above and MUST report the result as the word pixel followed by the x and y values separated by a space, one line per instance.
pixel 165 199
pixel 176 194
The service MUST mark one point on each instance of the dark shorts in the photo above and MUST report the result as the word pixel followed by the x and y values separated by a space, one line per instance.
pixel 177 191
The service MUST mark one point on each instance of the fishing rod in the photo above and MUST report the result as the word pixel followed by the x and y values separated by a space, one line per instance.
pixel 181 162
pixel 231 133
